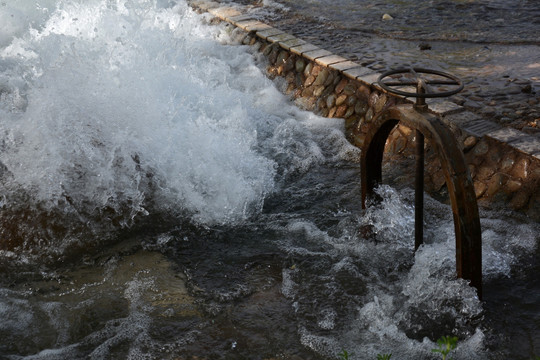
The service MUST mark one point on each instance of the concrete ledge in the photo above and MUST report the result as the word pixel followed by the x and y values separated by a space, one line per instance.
pixel 302 49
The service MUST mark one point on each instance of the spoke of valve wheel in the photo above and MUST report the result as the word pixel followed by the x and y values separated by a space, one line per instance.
pixel 442 82
pixel 419 192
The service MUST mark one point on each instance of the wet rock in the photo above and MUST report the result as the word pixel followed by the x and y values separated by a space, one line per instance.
pixel 363 92
pixel 307 92
pixel 496 183
pixel 481 148
pixel 373 99
pixel 256 46
pixel 438 179
pixel 309 80
pixel 479 189
pixel 341 110
pixel 351 121
pixel 272 57
pixel 282 57
pixel 469 142
pixel 290 89
pixel 349 89
pixel 349 112
pixel 321 104
pixel 290 77
pixel 321 77
pixel 521 169
pixel 330 78
pixel 512 186
pixel 351 101
pixel 379 105
pixel 330 100
pixel 318 90
pixel 306 103
pixel 507 162
pixel 300 65
pixel 308 68
pixel 369 115
pixel 289 64
pixel 359 139
pixel 341 85
pixel 472 170
pixel 324 112
pixel 360 108
pixel 316 70
pixel 341 99
pixel 519 200
pixel 332 112
pixel 485 172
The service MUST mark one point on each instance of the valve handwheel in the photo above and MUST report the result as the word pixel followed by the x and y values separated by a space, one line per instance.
pixel 423 84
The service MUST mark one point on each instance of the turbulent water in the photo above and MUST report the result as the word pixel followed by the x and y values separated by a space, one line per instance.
pixel 161 199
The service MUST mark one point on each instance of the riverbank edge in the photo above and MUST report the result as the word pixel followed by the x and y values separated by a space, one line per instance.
pixel 504 162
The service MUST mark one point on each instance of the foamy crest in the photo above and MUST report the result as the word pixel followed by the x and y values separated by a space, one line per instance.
pixel 379 296
pixel 114 110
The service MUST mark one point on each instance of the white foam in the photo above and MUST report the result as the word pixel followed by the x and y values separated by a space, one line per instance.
pixel 136 109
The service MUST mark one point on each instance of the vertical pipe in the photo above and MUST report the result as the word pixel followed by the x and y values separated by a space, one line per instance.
pixel 419 192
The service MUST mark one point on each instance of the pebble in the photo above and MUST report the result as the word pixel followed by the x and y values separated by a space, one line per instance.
pixel 527 89
pixel 469 142
pixel 341 99
pixel 330 101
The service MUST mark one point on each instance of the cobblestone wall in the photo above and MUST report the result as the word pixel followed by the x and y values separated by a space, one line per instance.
pixel 504 163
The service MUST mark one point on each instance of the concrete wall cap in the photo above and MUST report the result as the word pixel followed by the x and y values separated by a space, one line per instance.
pixel 315 54
pixel 264 34
pixel 288 44
pixel 356 72
pixel 330 59
pixel 224 12
pixel 301 49
pixel 346 65
pixel 480 127
pixel 280 38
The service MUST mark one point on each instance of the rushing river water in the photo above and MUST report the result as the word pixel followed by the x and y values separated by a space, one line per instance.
pixel 160 199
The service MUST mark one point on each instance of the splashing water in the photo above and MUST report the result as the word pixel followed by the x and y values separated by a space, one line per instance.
pixel 210 211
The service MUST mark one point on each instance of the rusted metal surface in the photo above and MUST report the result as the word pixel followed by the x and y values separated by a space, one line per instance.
pixel 422 80
pixel 458 180
pixel 456 173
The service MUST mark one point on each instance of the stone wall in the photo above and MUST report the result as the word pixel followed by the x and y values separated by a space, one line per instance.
pixel 504 163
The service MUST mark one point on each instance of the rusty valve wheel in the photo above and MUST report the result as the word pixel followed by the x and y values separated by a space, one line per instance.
pixel 420 82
